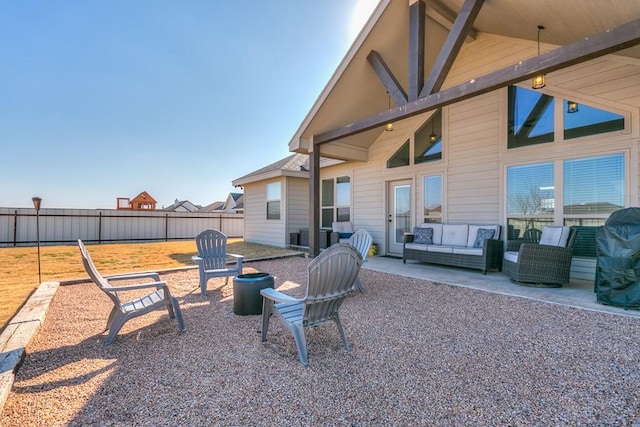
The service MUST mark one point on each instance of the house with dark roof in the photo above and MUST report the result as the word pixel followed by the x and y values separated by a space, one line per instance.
pixel 496 112
pixel 182 206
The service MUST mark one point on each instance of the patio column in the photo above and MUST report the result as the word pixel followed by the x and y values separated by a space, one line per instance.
pixel 314 200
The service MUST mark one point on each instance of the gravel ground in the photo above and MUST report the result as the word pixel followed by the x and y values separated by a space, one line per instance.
pixel 423 354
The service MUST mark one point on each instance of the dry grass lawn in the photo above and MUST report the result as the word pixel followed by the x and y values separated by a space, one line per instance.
pixel 19 265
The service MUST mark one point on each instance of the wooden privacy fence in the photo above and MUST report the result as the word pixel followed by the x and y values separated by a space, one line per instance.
pixel 18 227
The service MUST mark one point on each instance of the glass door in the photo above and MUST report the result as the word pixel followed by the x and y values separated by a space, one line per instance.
pixel 398 215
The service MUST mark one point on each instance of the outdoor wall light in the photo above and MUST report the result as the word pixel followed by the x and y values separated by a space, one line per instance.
pixel 572 107
pixel 539 81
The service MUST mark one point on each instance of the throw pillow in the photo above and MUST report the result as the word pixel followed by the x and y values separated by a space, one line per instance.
pixel 423 235
pixel 483 233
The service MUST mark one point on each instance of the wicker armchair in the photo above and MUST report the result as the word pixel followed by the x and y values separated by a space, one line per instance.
pixel 545 264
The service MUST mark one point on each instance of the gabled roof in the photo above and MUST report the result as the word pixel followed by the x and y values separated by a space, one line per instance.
pixel 354 91
pixel 213 207
pixel 296 165
pixel 145 196
pixel 185 204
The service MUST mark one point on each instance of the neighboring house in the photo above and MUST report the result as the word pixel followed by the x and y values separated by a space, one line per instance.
pixel 182 206
pixel 233 204
pixel 141 202
pixel 471 140
pixel 276 200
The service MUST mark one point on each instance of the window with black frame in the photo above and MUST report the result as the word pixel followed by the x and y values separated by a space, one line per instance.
pixel 530 117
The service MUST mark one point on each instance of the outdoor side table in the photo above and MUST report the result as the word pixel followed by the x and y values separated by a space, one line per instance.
pixel 246 292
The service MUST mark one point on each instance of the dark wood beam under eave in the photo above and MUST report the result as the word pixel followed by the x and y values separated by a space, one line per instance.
pixel 452 45
pixel 416 48
pixel 618 38
pixel 391 84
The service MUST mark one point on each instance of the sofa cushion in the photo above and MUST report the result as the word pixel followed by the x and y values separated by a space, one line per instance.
pixel 468 251
pixel 555 236
pixel 483 233
pixel 511 256
pixel 455 234
pixel 344 229
pixel 473 233
pixel 423 235
pixel 439 248
pixel 437 231
pixel 416 246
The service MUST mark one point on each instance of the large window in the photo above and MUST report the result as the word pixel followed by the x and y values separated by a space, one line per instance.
pixel 530 117
pixel 428 140
pixel 336 201
pixel 593 188
pixel 400 157
pixel 530 199
pixel 582 120
pixel 274 196
pixel 432 200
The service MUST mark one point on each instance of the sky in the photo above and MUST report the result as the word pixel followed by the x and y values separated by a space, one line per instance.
pixel 106 99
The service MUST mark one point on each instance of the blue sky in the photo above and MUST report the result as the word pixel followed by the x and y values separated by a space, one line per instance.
pixel 105 99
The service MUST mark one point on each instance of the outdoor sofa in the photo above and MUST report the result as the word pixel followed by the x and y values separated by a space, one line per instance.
pixel 476 246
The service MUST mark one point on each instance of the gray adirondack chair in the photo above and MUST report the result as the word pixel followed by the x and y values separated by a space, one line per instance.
pixel 123 311
pixel 212 258
pixel 361 240
pixel 330 280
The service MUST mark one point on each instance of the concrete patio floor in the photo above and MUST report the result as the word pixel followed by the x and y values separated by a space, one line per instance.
pixel 578 293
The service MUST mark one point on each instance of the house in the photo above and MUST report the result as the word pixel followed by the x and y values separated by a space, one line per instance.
pixel 434 118
pixel 233 204
pixel 182 206
pixel 277 200
pixel 142 201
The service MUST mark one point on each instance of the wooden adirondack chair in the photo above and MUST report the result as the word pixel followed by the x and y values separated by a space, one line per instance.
pixel 212 258
pixel 331 279
pixel 123 311
pixel 361 240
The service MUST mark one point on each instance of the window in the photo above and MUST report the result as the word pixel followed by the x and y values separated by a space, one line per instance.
pixel 593 188
pixel 530 117
pixel 273 200
pixel 582 120
pixel 428 140
pixel 530 198
pixel 432 199
pixel 400 157
pixel 335 201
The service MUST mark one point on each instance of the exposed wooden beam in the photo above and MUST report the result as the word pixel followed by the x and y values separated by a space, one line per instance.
pixel 445 17
pixel 618 38
pixel 384 73
pixel 416 48
pixel 451 46
pixel 314 202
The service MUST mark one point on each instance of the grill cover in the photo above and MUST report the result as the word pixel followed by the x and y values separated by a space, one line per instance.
pixel 618 254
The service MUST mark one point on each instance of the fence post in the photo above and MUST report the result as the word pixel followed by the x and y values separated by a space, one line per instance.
pixel 99 227
pixel 15 228
pixel 166 227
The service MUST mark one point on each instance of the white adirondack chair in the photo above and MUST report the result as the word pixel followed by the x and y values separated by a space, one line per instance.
pixel 331 279
pixel 361 240
pixel 123 311
pixel 212 258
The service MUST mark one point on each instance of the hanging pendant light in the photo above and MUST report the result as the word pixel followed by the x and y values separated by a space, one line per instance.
pixel 389 126
pixel 540 80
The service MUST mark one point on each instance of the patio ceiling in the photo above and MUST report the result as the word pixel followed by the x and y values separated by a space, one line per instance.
pixel 355 92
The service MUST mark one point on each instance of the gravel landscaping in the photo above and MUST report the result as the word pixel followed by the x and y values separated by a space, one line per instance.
pixel 422 354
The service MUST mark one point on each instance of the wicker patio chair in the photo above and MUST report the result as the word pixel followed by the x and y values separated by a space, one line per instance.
pixel 543 264
pixel 331 278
